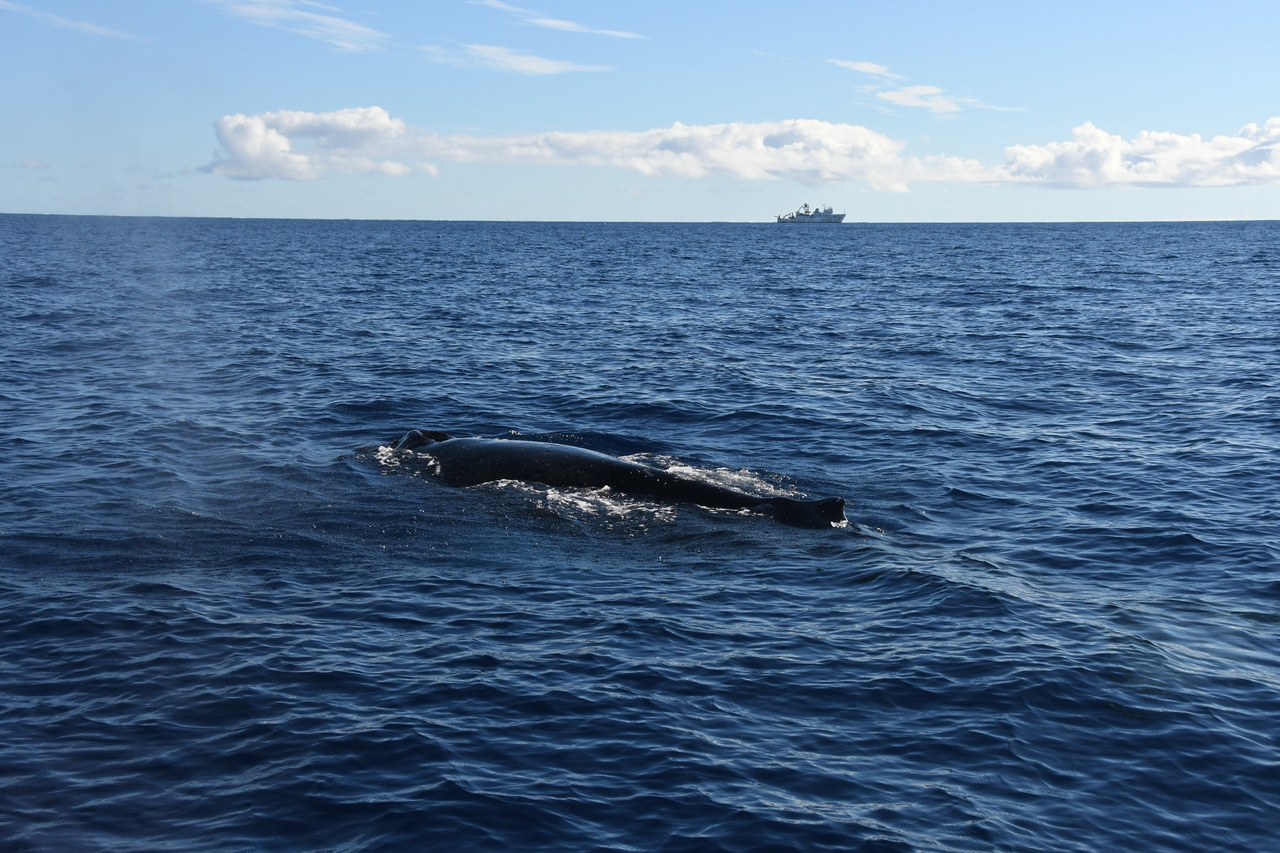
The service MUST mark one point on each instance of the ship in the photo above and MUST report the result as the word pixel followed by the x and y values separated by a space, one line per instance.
pixel 804 214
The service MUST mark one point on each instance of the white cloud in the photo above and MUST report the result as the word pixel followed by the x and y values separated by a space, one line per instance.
pixel 506 59
pixel 871 68
pixel 928 97
pixel 305 146
pixel 931 98
pixel 808 150
pixel 501 7
pixel 65 23
pixel 302 146
pixel 297 16
pixel 571 27
pixel 1094 158
pixel 537 19
pixel 287 15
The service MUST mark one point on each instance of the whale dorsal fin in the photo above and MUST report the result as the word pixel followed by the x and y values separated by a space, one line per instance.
pixel 420 438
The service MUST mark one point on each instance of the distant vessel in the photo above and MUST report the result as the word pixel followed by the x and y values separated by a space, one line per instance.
pixel 804 214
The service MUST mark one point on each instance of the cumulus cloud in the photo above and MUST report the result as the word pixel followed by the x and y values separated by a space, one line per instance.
pixel 506 59
pixel 65 23
pixel 804 149
pixel 1095 158
pixel 290 15
pixel 303 146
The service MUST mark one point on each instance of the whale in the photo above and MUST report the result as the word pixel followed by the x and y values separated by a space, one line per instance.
pixel 471 461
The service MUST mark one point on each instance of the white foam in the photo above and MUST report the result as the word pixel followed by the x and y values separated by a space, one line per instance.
pixel 581 504
pixel 389 457
pixel 740 480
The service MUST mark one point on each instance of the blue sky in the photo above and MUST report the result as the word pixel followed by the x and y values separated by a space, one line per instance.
pixel 654 111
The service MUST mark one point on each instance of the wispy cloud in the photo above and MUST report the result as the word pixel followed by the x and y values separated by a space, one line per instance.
pixel 294 16
pixel 506 59
pixel 538 19
pixel 871 68
pixel 500 6
pixel 305 146
pixel 327 23
pixel 930 98
pixel 65 23
pixel 570 26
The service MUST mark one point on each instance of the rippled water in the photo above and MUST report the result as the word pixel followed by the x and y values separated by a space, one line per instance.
pixel 230 621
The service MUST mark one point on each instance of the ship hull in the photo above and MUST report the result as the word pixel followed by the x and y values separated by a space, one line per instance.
pixel 818 219
pixel 807 215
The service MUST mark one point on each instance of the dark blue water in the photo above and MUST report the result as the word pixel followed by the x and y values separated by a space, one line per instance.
pixel 230 621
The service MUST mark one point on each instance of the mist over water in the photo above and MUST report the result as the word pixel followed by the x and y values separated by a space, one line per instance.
pixel 231 622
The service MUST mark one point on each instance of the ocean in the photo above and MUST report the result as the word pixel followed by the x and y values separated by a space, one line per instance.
pixel 232 619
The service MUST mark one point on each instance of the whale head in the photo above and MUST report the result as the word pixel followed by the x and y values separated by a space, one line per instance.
pixel 416 438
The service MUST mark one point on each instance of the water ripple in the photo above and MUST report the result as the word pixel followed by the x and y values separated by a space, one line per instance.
pixel 230 624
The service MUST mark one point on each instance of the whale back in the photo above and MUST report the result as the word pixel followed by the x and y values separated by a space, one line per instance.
pixel 819 513
pixel 471 461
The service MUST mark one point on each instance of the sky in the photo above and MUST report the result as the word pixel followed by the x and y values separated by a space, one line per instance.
pixel 906 111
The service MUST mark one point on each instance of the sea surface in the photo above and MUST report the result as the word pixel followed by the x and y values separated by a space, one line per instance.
pixel 231 619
